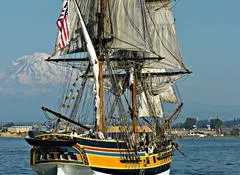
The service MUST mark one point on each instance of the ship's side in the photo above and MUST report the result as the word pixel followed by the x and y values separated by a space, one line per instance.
pixel 106 157
pixel 85 155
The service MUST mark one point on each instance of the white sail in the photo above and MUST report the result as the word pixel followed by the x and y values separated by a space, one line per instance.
pixel 168 95
pixel 158 84
pixel 128 25
pixel 162 35
pixel 150 106
pixel 145 26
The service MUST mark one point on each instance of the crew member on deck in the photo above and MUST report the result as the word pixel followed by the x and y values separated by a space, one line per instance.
pixel 150 149
pixel 91 134
pixel 73 133
pixel 100 135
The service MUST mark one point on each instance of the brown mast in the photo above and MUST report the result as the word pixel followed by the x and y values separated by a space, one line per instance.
pixel 134 107
pixel 100 78
pixel 100 59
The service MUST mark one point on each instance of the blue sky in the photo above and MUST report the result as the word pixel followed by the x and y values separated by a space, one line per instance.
pixel 208 33
pixel 26 27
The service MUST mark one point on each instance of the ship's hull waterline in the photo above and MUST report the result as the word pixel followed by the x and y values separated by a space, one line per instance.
pixel 58 169
pixel 163 173
pixel 62 169
pixel 161 170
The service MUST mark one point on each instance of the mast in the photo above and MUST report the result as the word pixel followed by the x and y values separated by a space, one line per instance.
pixel 100 59
pixel 100 127
pixel 134 104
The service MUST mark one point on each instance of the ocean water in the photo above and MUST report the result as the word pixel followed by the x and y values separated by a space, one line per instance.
pixel 219 156
pixel 204 157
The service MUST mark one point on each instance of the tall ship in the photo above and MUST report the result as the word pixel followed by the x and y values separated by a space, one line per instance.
pixel 119 96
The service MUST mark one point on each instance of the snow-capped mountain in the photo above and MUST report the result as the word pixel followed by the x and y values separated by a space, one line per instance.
pixel 31 74
pixel 32 69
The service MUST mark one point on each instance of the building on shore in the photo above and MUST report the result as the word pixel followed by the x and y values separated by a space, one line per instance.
pixel 194 133
pixel 19 129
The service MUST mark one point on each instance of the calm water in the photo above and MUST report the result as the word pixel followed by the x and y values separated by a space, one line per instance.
pixel 205 157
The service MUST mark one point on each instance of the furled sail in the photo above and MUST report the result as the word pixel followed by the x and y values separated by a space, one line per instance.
pixel 158 84
pixel 150 106
pixel 168 95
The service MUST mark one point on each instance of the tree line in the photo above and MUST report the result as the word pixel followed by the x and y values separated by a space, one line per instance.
pixel 216 123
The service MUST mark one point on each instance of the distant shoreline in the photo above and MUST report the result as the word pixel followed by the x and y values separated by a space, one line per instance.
pixel 12 135
pixel 211 137
pixel 22 135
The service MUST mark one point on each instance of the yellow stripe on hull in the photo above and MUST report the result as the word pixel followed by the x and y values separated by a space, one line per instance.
pixel 111 162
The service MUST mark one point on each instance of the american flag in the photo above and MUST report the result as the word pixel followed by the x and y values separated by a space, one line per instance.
pixel 62 24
